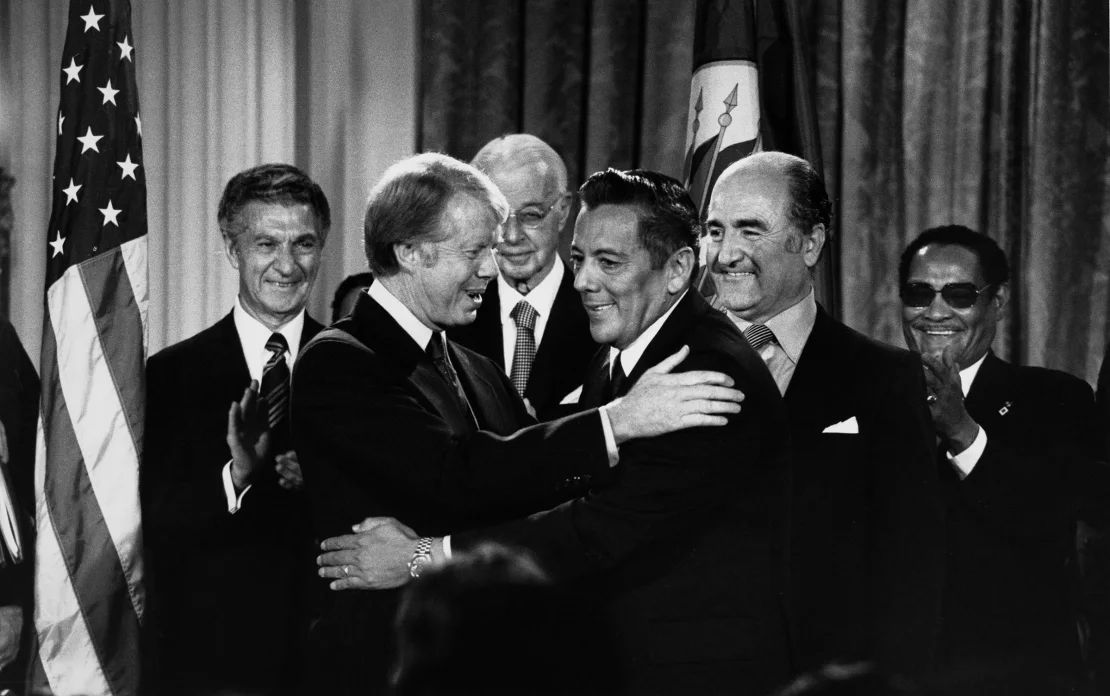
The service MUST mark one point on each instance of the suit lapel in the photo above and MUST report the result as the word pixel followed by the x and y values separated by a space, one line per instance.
pixel 487 327
pixel 809 397
pixel 558 326
pixel 989 392
pixel 670 336
pixel 227 355
pixel 597 378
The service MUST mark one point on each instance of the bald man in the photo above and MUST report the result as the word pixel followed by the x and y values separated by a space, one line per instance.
pixel 531 322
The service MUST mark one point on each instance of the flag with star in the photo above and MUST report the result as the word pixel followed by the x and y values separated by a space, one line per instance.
pixel 88 570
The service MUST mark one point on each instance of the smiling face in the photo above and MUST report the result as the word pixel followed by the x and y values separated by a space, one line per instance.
pixel 527 255
pixel 450 275
pixel 277 254
pixel 931 329
pixel 757 255
pixel 620 290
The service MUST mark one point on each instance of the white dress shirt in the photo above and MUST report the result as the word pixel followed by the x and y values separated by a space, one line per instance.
pixel 792 328
pixel 542 299
pixel 631 355
pixel 253 335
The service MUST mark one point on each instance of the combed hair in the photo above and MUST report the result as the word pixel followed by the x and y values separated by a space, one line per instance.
pixel 992 260
pixel 809 201
pixel 282 184
pixel 408 203
pixel 668 218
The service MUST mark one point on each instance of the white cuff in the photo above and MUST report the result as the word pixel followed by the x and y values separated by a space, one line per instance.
pixel 234 502
pixel 447 547
pixel 607 431
pixel 965 461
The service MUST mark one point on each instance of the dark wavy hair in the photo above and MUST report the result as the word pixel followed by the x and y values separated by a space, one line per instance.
pixel 992 260
pixel 278 183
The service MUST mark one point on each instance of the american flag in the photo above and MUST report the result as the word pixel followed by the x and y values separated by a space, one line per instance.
pixel 88 569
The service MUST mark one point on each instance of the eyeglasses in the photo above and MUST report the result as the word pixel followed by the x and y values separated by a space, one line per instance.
pixel 957 295
pixel 530 216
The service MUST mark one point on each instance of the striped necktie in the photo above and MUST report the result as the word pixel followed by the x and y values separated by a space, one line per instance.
pixel 524 315
pixel 758 336
pixel 275 388
pixel 437 351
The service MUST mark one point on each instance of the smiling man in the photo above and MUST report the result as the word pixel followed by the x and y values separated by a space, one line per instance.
pixel 685 542
pixel 391 418
pixel 867 534
pixel 218 511
pixel 531 321
pixel 1020 444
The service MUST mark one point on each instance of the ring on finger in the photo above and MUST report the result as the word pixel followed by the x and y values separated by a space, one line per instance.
pixel 931 399
pixel 347 571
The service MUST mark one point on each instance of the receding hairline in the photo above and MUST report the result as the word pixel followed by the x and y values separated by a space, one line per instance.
pixel 520 150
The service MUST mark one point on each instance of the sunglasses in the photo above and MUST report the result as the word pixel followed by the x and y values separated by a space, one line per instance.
pixel 957 295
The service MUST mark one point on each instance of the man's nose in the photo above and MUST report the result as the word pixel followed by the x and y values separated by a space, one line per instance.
pixel 731 248
pixel 283 260
pixel 583 278
pixel 938 308
pixel 488 267
pixel 511 231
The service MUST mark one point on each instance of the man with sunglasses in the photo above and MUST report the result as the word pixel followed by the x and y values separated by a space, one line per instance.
pixel 531 322
pixel 1017 468
pixel 867 534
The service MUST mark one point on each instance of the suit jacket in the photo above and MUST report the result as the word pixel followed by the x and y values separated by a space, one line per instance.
pixel 1009 596
pixel 227 593
pixel 561 357
pixel 379 432
pixel 687 544
pixel 867 529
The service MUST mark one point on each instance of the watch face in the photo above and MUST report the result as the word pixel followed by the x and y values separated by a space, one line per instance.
pixel 416 566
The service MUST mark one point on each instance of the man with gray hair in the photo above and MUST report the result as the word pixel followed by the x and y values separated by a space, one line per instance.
pixel 220 491
pixel 392 419
pixel 531 322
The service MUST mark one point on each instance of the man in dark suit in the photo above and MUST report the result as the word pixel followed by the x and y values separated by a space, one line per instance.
pixel 19 408
pixel 866 527
pixel 393 419
pixel 1017 468
pixel 226 528
pixel 531 322
pixel 686 541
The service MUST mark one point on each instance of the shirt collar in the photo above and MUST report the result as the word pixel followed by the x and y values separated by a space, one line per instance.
pixel 635 350
pixel 401 314
pixel 541 297
pixel 253 334
pixel 967 375
pixel 791 327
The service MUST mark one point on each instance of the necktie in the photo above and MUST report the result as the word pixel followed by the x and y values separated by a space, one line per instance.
pixel 524 315
pixel 758 336
pixel 275 388
pixel 617 378
pixel 438 353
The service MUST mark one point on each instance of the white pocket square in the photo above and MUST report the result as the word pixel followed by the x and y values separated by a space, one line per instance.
pixel 573 397
pixel 849 426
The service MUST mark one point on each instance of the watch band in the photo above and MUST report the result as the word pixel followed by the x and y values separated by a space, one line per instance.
pixel 421 556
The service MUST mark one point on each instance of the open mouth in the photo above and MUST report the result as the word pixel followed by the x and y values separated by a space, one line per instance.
pixel 475 296
pixel 937 331
pixel 598 308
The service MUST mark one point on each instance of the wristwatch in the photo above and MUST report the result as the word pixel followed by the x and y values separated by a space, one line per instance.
pixel 421 556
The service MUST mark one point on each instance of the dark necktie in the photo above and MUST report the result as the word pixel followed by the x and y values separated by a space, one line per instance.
pixel 275 388
pixel 758 336
pixel 524 315
pixel 617 378
pixel 438 353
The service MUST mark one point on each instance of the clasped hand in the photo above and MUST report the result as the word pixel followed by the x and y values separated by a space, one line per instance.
pixel 375 557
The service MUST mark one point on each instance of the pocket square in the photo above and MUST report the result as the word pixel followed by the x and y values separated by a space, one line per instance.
pixel 573 397
pixel 849 426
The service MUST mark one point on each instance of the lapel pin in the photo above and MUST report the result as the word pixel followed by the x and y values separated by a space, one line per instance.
pixel 1005 408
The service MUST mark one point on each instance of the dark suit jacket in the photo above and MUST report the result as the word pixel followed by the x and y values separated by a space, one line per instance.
pixel 867 529
pixel 1009 595
pixel 379 433
pixel 227 592
pixel 561 357
pixel 688 542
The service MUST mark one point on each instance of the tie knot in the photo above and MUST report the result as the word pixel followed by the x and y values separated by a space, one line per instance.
pixel 435 346
pixel 277 344
pixel 758 336
pixel 524 315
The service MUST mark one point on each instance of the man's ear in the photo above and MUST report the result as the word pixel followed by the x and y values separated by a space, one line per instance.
pixel 679 268
pixel 812 244
pixel 562 208
pixel 409 254
pixel 1001 297
pixel 229 249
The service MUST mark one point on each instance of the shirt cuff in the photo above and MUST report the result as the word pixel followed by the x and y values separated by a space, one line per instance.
pixel 607 431
pixel 447 547
pixel 965 461
pixel 234 502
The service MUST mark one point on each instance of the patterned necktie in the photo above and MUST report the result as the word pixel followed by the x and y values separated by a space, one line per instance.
pixel 617 378
pixel 437 352
pixel 758 336
pixel 524 315
pixel 275 387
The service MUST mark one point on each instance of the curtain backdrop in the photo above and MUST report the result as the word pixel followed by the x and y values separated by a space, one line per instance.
pixel 329 86
pixel 988 114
